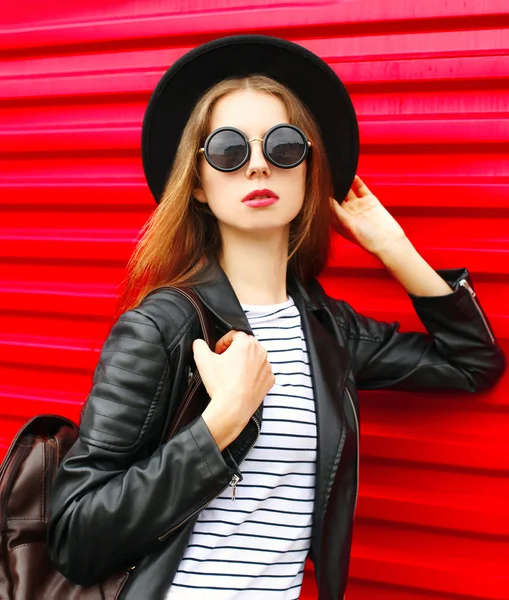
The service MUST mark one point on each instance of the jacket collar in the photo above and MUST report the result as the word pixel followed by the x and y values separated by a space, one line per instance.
pixel 216 292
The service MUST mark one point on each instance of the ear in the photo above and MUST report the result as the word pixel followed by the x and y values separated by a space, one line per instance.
pixel 199 194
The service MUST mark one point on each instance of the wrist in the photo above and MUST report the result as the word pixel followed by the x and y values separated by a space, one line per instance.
pixel 394 252
pixel 409 268
pixel 220 426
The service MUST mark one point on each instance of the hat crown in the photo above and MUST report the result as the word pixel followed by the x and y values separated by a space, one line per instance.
pixel 292 65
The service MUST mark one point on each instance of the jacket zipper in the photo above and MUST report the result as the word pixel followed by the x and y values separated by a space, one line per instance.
pixel 235 479
pixel 464 283
pixel 233 482
pixel 358 446
pixel 358 452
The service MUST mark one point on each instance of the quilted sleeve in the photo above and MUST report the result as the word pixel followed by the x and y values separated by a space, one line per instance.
pixel 458 352
pixel 112 501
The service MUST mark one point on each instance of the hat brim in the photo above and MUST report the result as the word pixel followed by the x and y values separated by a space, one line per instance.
pixel 306 74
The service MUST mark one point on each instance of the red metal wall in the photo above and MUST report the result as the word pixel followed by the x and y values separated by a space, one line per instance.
pixel 430 84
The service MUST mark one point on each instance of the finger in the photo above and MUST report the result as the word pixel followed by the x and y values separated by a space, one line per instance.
pixel 335 223
pixel 350 195
pixel 342 215
pixel 333 204
pixel 226 341
pixel 360 188
pixel 200 352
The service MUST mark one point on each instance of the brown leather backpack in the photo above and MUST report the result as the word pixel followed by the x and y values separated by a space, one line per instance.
pixel 26 477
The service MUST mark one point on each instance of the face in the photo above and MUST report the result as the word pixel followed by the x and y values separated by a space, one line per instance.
pixel 254 113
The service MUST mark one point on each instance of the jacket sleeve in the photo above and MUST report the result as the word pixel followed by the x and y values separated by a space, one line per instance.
pixel 458 352
pixel 113 495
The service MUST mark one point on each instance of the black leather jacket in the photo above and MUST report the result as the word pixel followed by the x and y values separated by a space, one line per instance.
pixel 122 498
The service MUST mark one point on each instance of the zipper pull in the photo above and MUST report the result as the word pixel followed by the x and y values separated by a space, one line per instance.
pixel 234 480
pixel 464 283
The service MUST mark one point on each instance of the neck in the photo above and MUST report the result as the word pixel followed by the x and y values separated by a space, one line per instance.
pixel 256 265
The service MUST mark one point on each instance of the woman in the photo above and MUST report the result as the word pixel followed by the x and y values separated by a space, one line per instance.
pixel 244 219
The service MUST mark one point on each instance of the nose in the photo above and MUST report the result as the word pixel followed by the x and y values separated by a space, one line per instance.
pixel 257 165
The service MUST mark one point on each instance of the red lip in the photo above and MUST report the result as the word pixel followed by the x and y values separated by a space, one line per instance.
pixel 256 193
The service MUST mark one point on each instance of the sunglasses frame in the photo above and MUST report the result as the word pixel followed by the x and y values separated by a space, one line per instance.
pixel 307 146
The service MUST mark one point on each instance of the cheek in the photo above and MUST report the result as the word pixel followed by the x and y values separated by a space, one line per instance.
pixel 210 181
pixel 222 191
pixel 299 183
pixel 216 182
pixel 304 177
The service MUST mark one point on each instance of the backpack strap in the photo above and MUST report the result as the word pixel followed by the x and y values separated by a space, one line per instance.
pixel 203 315
pixel 187 408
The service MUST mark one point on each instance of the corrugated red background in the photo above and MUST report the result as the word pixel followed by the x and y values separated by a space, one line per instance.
pixel 430 84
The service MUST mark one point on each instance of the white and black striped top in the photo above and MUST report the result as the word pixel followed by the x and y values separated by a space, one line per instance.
pixel 255 547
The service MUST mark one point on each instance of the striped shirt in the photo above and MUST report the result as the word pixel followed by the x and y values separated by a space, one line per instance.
pixel 255 547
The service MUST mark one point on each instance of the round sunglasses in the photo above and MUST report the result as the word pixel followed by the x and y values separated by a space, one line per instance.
pixel 228 148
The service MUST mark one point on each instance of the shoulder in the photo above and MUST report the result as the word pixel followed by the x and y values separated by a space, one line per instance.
pixel 340 310
pixel 166 311
pixel 131 376
pixel 354 324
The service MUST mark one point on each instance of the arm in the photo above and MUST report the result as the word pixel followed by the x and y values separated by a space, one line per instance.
pixel 459 352
pixel 114 495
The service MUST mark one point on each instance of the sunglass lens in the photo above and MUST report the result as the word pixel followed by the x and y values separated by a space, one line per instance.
pixel 227 149
pixel 285 146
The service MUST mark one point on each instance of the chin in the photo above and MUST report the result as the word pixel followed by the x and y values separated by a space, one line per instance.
pixel 260 219
pixel 257 225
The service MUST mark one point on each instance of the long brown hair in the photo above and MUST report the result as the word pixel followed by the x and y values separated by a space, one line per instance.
pixel 182 234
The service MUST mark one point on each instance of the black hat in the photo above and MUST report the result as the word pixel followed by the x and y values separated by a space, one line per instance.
pixel 303 72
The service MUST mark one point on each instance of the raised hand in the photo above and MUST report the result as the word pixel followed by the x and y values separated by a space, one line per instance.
pixel 363 219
